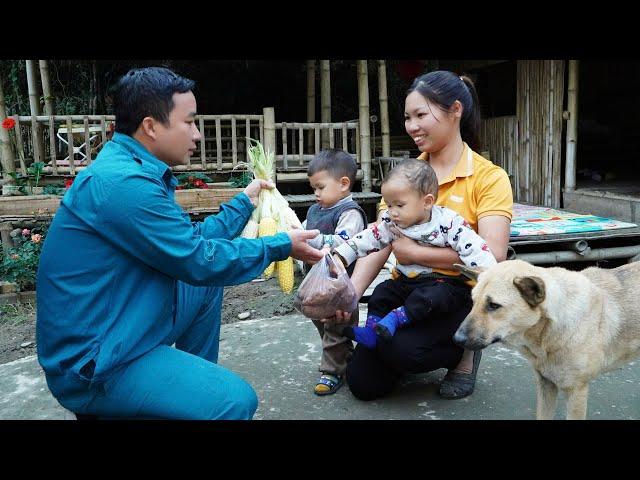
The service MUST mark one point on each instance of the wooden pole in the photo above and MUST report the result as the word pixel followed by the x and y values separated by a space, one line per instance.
pixel 325 98
pixel 384 108
pixel 365 137
pixel 34 106
pixel 572 127
pixel 46 88
pixel 7 155
pixel 270 133
pixel 311 100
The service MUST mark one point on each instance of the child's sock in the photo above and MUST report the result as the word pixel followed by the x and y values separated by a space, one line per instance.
pixel 372 320
pixel 363 335
pixel 386 328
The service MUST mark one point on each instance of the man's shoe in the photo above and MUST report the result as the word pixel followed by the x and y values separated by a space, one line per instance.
pixel 459 385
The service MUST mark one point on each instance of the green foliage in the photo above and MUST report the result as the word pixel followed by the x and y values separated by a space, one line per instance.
pixel 241 181
pixel 54 189
pixel 193 180
pixel 20 263
pixel 15 314
pixel 35 172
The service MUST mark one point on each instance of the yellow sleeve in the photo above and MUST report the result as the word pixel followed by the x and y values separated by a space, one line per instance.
pixel 494 195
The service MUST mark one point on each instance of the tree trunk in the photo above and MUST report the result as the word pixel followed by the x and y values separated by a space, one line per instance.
pixel 34 106
pixel 46 88
pixel 7 158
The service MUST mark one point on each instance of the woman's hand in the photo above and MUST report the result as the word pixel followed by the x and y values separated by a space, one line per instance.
pixel 253 189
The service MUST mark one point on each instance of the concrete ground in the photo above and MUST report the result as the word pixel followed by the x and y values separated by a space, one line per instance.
pixel 279 357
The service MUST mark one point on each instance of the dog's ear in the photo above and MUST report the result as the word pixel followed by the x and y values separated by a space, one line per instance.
pixel 469 272
pixel 531 288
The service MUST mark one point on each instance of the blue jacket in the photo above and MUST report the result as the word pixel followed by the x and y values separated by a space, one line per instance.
pixel 106 283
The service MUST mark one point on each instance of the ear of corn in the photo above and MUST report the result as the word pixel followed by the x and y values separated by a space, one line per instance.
pixel 285 275
pixel 250 230
pixel 273 213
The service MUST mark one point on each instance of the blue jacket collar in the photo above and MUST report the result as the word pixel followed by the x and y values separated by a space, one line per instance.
pixel 138 150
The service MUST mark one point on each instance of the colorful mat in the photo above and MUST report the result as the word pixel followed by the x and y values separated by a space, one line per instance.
pixel 534 220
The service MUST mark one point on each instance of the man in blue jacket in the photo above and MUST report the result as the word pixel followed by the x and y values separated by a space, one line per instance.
pixel 124 274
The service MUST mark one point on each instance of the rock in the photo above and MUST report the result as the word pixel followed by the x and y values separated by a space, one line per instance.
pixel 244 315
pixel 26 344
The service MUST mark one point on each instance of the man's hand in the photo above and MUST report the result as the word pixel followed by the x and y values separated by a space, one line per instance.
pixel 300 249
pixel 253 189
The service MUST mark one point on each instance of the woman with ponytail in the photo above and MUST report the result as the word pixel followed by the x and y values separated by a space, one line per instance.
pixel 442 115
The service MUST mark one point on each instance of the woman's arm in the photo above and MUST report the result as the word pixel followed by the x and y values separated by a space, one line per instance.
pixel 495 230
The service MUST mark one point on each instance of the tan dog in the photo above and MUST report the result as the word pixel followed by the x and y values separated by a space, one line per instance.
pixel 571 326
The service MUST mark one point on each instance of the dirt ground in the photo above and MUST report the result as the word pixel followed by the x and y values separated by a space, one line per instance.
pixel 261 299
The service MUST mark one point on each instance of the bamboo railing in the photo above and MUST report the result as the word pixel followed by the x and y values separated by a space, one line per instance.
pixel 71 142
pixel 290 140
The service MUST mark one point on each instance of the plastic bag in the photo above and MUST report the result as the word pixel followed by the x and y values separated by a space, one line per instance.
pixel 326 288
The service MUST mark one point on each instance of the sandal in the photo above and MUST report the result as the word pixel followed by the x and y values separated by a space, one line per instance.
pixel 328 384
pixel 459 385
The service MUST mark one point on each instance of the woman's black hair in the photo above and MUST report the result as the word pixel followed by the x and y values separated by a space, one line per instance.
pixel 443 88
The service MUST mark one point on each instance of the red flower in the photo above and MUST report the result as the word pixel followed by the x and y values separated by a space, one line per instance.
pixel 8 123
pixel 68 182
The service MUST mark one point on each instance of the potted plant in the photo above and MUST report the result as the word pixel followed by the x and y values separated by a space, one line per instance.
pixel 20 185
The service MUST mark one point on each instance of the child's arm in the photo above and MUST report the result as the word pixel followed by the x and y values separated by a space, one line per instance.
pixel 473 250
pixel 367 241
pixel 349 224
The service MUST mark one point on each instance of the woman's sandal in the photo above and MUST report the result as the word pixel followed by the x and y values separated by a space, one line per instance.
pixel 328 384
pixel 459 385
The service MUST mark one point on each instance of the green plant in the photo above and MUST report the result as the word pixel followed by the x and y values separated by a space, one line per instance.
pixel 54 189
pixel 241 181
pixel 21 181
pixel 192 180
pixel 19 264
pixel 35 172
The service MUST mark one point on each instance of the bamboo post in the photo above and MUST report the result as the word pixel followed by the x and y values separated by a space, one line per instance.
pixel 34 106
pixel 52 144
pixel 345 145
pixel 384 108
pixel 234 146
pixel 46 88
pixel 365 141
pixel 572 127
pixel 325 98
pixel 20 145
pixel 316 131
pixel 311 100
pixel 284 145
pixel 218 144
pixel 246 139
pixel 270 133
pixel 6 153
pixel 72 168
pixel 203 145
pixel 5 234
pixel 301 144
pixel 87 138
